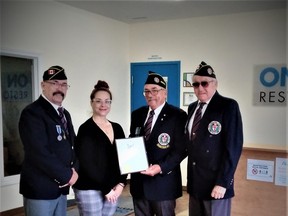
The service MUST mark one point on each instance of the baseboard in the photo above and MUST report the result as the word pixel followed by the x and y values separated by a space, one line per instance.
pixel 12 212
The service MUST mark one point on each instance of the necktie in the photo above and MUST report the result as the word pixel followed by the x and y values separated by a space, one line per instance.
pixel 148 125
pixel 196 120
pixel 63 119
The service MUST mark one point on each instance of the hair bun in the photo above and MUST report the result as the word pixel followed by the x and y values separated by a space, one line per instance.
pixel 101 84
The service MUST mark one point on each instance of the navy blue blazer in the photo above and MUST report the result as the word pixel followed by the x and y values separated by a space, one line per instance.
pixel 214 154
pixel 166 147
pixel 49 153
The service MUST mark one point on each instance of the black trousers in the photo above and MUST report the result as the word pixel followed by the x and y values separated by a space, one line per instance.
pixel 220 207
pixel 143 207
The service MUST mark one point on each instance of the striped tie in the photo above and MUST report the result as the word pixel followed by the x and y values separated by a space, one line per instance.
pixel 63 119
pixel 148 125
pixel 196 120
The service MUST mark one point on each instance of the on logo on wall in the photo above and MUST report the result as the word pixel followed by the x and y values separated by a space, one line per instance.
pixel 270 85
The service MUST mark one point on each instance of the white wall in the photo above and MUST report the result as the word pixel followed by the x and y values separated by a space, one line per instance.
pixel 92 47
pixel 88 46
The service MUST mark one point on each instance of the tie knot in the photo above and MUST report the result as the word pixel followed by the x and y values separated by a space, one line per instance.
pixel 152 112
pixel 201 104
pixel 61 110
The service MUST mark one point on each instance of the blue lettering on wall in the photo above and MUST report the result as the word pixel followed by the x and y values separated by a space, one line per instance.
pixel 275 75
pixel 284 75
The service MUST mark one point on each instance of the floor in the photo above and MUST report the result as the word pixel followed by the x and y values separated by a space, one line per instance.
pixel 181 203
pixel 181 206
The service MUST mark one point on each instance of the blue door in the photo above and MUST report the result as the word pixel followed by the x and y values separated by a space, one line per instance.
pixel 169 70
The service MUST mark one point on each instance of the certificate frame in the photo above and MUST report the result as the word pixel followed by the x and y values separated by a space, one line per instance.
pixel 132 155
pixel 187 79
pixel 188 98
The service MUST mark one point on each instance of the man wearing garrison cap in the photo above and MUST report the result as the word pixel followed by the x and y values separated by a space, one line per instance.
pixel 214 138
pixel 156 189
pixel 47 135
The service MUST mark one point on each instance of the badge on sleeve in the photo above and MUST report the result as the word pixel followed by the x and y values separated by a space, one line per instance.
pixel 214 127
pixel 163 141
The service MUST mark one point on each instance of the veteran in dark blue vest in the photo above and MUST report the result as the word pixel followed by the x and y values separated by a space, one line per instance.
pixel 214 137
pixel 47 135
pixel 156 189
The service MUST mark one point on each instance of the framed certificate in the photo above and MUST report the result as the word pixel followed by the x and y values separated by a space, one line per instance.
pixel 131 155
pixel 188 98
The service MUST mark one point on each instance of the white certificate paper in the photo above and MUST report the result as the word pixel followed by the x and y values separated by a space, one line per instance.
pixel 131 155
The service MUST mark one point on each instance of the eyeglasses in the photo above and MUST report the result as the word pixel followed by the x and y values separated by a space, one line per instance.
pixel 56 84
pixel 204 84
pixel 102 102
pixel 152 92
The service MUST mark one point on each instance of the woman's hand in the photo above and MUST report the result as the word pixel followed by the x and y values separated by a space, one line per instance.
pixel 118 189
pixel 112 196
pixel 115 193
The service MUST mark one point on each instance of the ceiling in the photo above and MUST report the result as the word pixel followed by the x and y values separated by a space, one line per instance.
pixel 136 11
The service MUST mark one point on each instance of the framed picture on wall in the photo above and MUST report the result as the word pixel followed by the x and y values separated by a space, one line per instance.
pixel 187 79
pixel 188 98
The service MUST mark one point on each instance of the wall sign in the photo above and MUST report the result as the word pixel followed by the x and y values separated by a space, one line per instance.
pixel 270 85
pixel 260 170
pixel 281 172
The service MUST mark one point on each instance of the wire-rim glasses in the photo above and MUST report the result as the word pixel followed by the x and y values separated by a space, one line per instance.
pixel 152 92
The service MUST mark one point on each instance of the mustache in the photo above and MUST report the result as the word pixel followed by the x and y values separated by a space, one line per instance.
pixel 59 92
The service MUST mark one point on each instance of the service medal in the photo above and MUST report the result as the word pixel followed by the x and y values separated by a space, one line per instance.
pixel 59 130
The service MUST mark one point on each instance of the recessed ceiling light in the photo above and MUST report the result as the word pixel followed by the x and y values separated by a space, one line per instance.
pixel 138 18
